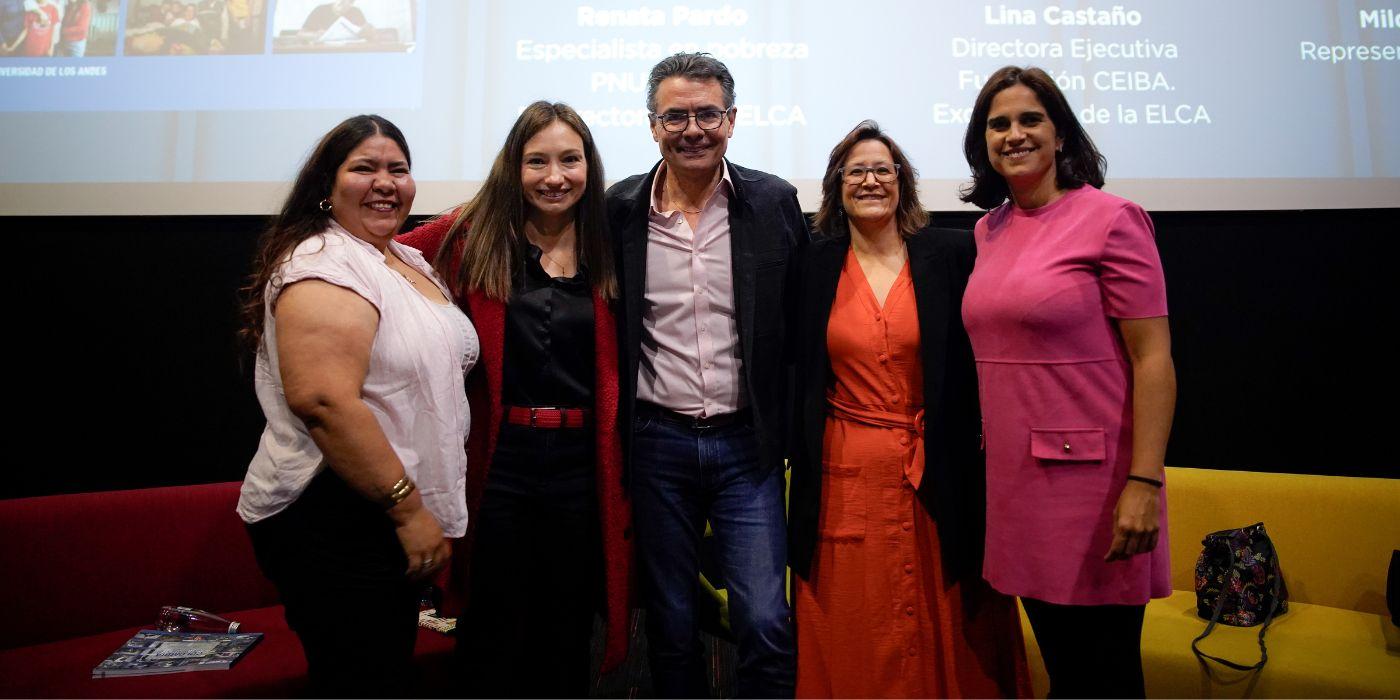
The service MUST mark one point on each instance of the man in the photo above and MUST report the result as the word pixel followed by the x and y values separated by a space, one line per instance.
pixel 705 251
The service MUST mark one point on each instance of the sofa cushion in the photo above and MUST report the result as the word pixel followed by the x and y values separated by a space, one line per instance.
pixel 83 564
pixel 1314 651
pixel 273 668
pixel 1334 534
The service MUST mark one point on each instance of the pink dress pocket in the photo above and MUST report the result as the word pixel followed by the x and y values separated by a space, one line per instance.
pixel 1067 445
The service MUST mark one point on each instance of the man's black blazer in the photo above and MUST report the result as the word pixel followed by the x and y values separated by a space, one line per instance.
pixel 767 232
pixel 954 483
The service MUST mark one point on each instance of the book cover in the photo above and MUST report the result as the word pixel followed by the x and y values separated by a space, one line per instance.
pixel 430 619
pixel 150 652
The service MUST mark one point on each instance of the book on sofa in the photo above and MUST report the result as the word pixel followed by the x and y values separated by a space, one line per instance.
pixel 150 652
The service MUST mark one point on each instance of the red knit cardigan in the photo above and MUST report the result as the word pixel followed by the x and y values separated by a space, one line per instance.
pixel 484 395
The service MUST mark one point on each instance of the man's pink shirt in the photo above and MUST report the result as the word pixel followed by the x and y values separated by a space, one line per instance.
pixel 690 344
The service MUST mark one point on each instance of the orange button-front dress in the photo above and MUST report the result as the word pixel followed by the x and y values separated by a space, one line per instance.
pixel 876 618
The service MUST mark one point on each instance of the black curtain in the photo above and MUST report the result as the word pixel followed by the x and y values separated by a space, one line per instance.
pixel 127 371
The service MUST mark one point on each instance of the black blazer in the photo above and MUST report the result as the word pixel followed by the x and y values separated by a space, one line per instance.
pixel 954 483
pixel 767 232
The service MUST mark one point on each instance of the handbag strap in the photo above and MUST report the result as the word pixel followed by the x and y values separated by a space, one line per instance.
pixel 1215 618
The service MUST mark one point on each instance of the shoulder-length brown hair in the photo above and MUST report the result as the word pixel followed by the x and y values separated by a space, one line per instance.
pixel 301 216
pixel 831 216
pixel 1078 163
pixel 482 259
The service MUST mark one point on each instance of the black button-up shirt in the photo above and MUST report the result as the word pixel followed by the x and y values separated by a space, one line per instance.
pixel 549 351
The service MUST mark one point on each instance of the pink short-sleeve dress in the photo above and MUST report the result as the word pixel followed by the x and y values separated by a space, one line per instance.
pixel 1056 390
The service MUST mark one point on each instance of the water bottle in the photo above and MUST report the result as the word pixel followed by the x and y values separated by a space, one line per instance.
pixel 427 600
pixel 178 618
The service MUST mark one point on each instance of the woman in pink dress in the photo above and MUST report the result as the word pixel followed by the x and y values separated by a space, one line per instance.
pixel 1066 310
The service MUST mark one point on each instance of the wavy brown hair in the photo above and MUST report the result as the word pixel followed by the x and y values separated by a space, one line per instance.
pixel 1079 163
pixel 831 216
pixel 487 239
pixel 301 216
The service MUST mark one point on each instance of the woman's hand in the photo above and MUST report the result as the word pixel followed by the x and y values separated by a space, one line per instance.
pixel 421 537
pixel 1135 521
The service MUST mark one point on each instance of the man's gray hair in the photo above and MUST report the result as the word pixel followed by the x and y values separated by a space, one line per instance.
pixel 696 66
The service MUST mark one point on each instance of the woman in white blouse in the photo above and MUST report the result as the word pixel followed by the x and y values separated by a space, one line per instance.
pixel 359 477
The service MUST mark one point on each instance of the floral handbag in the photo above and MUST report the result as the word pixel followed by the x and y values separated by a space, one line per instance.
pixel 1239 583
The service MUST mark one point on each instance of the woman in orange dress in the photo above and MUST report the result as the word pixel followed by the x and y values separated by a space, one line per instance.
pixel 887 499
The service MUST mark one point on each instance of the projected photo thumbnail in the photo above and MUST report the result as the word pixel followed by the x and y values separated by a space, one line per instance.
pixel 318 26
pixel 61 28
pixel 188 28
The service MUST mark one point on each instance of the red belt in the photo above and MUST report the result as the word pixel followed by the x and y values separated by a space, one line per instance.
pixel 547 416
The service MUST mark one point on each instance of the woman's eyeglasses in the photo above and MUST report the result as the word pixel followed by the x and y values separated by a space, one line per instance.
pixel 884 172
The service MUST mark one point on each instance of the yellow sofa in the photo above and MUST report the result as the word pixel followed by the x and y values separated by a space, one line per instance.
pixel 1334 537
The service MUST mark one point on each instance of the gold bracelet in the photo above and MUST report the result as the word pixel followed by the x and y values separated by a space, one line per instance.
pixel 399 492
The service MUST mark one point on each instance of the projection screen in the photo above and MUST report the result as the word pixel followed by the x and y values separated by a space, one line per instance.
pixel 209 106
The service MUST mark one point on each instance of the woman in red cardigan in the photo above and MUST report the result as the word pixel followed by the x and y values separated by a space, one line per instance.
pixel 528 260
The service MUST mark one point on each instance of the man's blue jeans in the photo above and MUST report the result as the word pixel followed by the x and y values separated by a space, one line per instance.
pixel 681 477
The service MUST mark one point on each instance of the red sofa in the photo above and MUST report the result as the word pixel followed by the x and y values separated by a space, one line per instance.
pixel 83 572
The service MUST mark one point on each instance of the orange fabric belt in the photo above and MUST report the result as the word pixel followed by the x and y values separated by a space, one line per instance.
pixel 914 466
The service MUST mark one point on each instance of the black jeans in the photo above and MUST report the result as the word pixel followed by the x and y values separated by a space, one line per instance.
pixel 1090 651
pixel 536 569
pixel 340 570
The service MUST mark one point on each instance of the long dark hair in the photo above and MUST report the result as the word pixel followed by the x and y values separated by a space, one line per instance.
pixel 831 217
pixel 1078 163
pixel 302 216
pixel 482 259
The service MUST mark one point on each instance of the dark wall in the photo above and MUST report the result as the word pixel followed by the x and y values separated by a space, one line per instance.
pixel 128 372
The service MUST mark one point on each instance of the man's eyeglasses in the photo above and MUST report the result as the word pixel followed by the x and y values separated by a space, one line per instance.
pixel 884 172
pixel 675 122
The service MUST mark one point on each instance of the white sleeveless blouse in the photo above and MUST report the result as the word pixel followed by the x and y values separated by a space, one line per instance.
pixel 414 387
